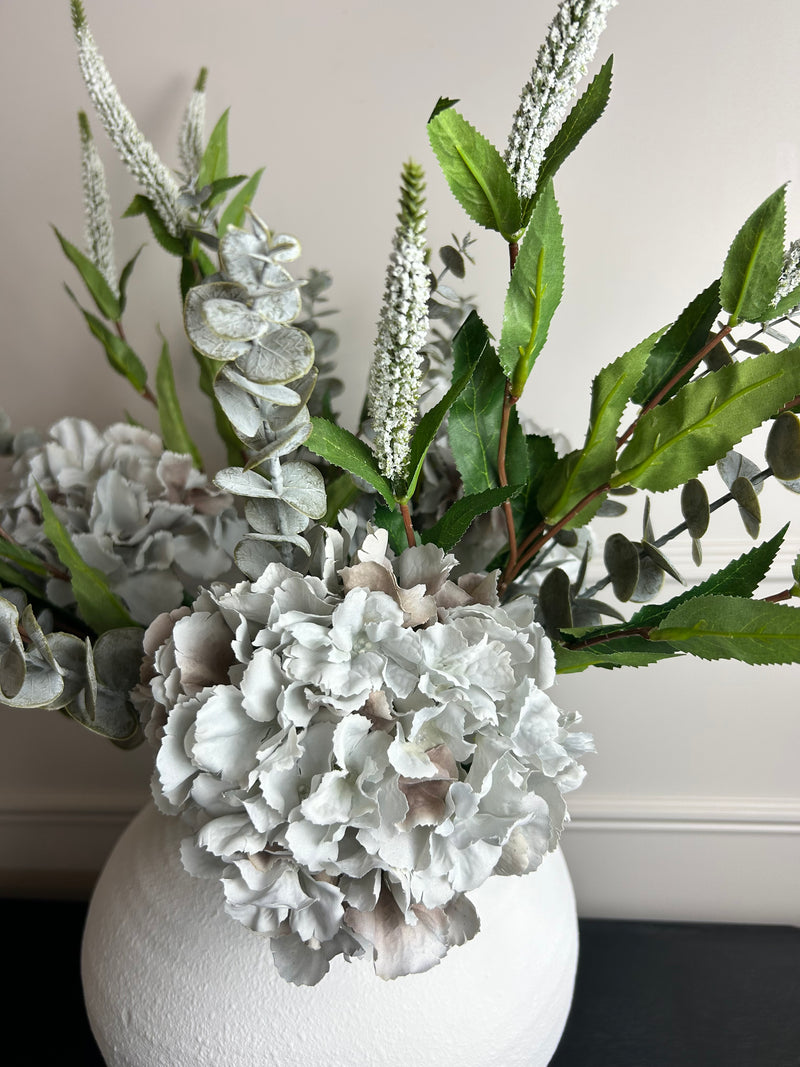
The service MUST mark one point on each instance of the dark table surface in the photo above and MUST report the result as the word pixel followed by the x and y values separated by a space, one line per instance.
pixel 647 994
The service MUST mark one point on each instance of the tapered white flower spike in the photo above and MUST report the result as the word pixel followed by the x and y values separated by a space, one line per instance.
pixel 97 206
pixel 137 154
pixel 569 47
pixel 190 143
pixel 396 372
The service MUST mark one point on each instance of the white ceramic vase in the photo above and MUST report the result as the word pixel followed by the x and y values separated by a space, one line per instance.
pixel 170 981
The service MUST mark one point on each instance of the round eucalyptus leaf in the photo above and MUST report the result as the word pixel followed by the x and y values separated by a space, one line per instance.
pixel 661 561
pixel 744 493
pixel 623 490
pixel 554 600
pixel 253 556
pixel 70 654
pixel 582 607
pixel 567 538
pixel 734 465
pixel 718 357
pixel 651 579
pixel 266 517
pixel 751 347
pixel 233 320
pixel 783 447
pixel 239 406
pixel 242 482
pixel 695 507
pixel 202 336
pixel 621 559
pixel 280 395
pixel 284 248
pixel 280 355
pixel 304 488
pixel 611 509
pixel 325 342
pixel 697 552
pixel 453 260
pixel 118 657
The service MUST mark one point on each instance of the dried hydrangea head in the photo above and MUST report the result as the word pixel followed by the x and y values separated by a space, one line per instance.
pixel 147 519
pixel 357 753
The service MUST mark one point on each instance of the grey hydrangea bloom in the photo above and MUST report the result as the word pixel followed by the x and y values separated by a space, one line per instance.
pixel 355 754
pixel 61 671
pixel 146 518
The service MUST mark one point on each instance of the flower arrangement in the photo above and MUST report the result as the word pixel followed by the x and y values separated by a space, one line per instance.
pixel 341 643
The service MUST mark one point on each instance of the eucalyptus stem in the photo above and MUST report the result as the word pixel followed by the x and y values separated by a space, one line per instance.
pixel 682 527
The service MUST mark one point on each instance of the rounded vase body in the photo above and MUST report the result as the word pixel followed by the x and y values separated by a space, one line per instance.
pixel 171 981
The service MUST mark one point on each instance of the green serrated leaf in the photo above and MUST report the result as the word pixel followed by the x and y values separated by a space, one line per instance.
pixel 174 433
pixel 235 210
pixel 754 263
pixel 584 114
pixel 705 419
pixel 214 164
pixel 540 454
pixel 428 427
pixel 476 173
pixel 726 627
pixel 455 522
pixel 142 205
pixel 100 608
pixel 534 293
pixel 99 289
pixel 120 354
pixel 684 339
pixel 578 473
pixel 627 652
pixel 392 521
pixel 473 425
pixel 739 578
pixel 345 450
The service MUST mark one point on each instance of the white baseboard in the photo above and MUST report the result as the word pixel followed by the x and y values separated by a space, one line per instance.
pixel 704 859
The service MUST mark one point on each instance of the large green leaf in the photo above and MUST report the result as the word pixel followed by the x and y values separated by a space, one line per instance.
pixel 739 578
pixel 476 173
pixel 584 114
pixel 754 263
pixel 705 419
pixel 235 209
pixel 625 652
pixel 726 627
pixel 345 450
pixel 428 427
pixel 473 425
pixel 534 293
pixel 540 456
pixel 684 339
pixel 214 165
pixel 174 433
pixel 575 475
pixel 455 522
pixel 101 292
pixel 100 608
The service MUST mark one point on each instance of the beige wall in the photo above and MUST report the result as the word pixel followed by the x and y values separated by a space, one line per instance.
pixel 692 806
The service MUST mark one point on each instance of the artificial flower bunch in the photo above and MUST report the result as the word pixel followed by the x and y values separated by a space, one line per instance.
pixel 340 644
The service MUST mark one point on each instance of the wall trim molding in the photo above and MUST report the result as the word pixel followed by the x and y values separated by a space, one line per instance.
pixel 685 814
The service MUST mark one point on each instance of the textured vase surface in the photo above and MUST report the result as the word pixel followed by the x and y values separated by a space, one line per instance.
pixel 171 981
